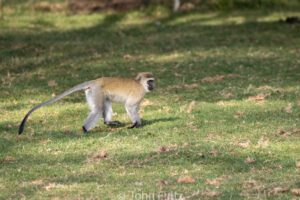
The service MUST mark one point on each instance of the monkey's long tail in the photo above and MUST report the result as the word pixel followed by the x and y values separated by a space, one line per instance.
pixel 76 88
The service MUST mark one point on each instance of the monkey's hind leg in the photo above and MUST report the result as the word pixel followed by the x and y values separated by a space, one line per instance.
pixel 95 101
pixel 91 121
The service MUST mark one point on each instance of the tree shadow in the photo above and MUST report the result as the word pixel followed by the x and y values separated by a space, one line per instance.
pixel 109 39
pixel 100 131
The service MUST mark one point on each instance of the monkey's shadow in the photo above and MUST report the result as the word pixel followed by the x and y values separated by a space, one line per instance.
pixel 146 122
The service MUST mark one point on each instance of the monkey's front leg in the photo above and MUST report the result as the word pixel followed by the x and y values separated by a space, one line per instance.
pixel 107 114
pixel 133 112
pixel 135 125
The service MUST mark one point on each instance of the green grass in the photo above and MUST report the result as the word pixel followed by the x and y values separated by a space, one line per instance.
pixel 209 129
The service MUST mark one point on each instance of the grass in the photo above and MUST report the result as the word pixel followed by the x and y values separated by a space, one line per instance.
pixel 225 113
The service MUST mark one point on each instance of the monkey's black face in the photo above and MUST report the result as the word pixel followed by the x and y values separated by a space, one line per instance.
pixel 150 84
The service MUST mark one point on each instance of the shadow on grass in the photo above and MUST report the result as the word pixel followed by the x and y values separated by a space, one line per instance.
pixel 112 42
pixel 147 122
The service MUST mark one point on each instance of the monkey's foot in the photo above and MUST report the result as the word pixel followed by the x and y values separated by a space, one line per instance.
pixel 84 129
pixel 135 125
pixel 113 123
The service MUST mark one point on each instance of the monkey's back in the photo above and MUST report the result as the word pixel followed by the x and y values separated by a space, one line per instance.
pixel 121 89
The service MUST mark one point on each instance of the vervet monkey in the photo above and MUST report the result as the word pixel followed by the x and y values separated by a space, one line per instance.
pixel 101 92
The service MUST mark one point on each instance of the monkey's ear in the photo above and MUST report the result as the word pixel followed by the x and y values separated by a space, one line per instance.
pixel 138 77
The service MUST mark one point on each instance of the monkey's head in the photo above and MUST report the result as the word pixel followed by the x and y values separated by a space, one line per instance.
pixel 147 80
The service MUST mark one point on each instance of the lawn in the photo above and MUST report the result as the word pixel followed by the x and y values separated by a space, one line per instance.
pixel 222 123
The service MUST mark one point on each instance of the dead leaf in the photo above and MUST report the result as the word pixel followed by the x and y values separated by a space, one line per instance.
pixel 265 87
pixel 162 183
pixel 210 193
pixel 295 191
pixel 238 114
pixel 8 79
pixel 251 184
pixel 187 7
pixel 9 159
pixel 184 86
pixel 201 155
pixel 232 76
pixel 288 133
pixel 282 132
pixel 288 108
pixel 44 141
pixel 32 101
pixel 67 132
pixel 8 126
pixel 52 83
pixel 37 182
pixel 128 57
pixel 278 190
pixel 295 130
pixel 213 79
pixel 186 179
pixel 41 77
pixel 254 170
pixel 192 126
pixel 226 95
pixel 218 78
pixel 191 106
pixel 298 164
pixel 269 88
pixel 102 155
pixel 263 142
pixel 216 182
pixel 214 153
pixel 244 144
pixel 53 186
pixel 191 86
pixel 258 97
pixel 165 109
pixel 177 74
pixel 249 160
pixel 163 149
pixel 211 136
pixel 226 103
pixel 46 6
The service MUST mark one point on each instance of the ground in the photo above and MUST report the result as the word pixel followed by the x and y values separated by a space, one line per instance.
pixel 222 123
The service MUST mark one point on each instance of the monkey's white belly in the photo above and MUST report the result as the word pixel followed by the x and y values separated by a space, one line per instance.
pixel 117 98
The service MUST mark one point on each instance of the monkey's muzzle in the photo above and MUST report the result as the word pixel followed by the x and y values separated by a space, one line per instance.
pixel 150 84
